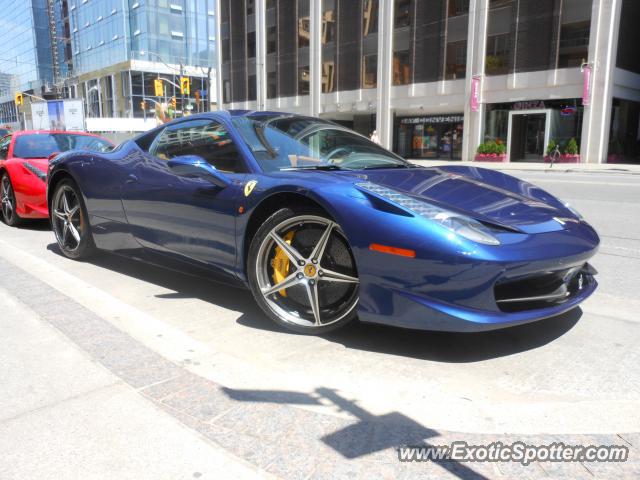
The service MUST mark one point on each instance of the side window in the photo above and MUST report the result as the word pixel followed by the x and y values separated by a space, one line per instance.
pixel 206 138
pixel 4 147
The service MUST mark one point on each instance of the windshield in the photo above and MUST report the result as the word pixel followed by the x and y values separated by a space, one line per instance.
pixel 42 145
pixel 285 142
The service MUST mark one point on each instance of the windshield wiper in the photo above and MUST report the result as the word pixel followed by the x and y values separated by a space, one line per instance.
pixel 394 165
pixel 314 167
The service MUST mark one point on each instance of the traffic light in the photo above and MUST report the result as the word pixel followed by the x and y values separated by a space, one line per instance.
pixel 143 105
pixel 19 99
pixel 157 86
pixel 174 104
pixel 185 86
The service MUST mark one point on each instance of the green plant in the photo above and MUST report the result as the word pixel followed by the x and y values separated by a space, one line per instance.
pixel 572 147
pixel 551 147
pixel 492 147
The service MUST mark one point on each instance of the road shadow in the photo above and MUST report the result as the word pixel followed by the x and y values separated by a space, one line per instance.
pixel 423 345
pixel 39 225
pixel 366 434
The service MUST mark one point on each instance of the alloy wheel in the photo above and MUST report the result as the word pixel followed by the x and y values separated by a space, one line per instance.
pixel 7 199
pixel 306 273
pixel 67 218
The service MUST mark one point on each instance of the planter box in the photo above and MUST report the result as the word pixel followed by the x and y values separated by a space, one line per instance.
pixel 490 157
pixel 564 158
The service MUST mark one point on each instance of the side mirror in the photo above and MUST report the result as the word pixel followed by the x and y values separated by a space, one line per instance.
pixel 197 167
pixel 53 155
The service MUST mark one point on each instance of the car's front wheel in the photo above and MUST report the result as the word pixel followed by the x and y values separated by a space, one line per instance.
pixel 8 198
pixel 70 221
pixel 302 272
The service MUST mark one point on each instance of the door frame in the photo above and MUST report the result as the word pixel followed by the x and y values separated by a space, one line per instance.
pixel 547 126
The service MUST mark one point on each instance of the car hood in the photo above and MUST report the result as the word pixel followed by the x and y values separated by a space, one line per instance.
pixel 486 195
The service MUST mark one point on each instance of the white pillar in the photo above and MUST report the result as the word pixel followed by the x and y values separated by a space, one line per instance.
pixel 315 62
pixel 261 53
pixel 603 48
pixel 384 117
pixel 219 83
pixel 476 53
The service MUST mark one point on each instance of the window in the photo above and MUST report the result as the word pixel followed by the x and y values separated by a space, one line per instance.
pixel 204 138
pixel 251 44
pixel 456 60
pixel 284 141
pixel 4 147
pixel 574 44
pixel 43 145
pixel 369 17
pixel 272 84
pixel 402 13
pixel 303 80
pixel 370 71
pixel 498 49
pixel 401 68
pixel 271 40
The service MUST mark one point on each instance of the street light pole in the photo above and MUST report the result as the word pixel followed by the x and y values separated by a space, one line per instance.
pixel 181 89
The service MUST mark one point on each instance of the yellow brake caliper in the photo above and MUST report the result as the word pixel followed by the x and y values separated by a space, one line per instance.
pixel 280 264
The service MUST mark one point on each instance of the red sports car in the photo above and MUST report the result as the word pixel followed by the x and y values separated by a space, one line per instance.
pixel 24 159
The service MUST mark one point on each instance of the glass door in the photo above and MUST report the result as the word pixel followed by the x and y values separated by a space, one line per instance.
pixel 528 136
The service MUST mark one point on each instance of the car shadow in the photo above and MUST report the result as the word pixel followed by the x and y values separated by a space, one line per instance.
pixel 40 225
pixel 425 345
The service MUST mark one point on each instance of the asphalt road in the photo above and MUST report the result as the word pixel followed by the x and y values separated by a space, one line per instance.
pixel 578 374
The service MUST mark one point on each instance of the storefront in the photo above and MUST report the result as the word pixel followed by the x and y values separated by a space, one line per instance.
pixel 528 128
pixel 429 137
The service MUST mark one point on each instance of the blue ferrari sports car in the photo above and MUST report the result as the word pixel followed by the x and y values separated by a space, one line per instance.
pixel 324 226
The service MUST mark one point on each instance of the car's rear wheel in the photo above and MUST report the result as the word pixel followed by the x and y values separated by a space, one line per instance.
pixel 70 221
pixel 302 272
pixel 8 198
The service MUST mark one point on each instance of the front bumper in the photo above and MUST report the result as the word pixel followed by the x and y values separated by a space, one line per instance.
pixel 515 284
pixel 422 313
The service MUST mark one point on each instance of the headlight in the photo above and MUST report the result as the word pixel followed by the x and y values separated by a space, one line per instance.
pixel 457 223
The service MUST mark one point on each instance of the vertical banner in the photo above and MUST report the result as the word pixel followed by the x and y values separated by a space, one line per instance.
pixel 586 85
pixel 74 115
pixel 56 115
pixel 475 93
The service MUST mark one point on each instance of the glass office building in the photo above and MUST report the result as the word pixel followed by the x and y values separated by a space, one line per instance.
pixel 24 35
pixel 119 48
pixel 26 63
pixel 538 71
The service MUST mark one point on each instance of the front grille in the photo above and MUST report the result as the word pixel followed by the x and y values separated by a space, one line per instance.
pixel 540 290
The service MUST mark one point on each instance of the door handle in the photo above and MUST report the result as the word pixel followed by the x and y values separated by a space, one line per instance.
pixel 131 178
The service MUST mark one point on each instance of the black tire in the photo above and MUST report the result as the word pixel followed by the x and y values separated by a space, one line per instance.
pixel 255 265
pixel 86 247
pixel 9 214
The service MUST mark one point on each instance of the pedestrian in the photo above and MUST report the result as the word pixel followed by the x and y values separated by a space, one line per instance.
pixel 374 137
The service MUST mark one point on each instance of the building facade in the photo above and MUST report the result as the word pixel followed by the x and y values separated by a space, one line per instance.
pixel 26 63
pixel 120 47
pixel 438 79
pixel 110 52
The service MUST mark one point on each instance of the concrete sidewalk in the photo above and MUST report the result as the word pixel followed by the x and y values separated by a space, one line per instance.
pixel 65 416
pixel 531 166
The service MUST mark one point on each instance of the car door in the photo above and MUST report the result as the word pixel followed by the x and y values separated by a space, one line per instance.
pixel 187 216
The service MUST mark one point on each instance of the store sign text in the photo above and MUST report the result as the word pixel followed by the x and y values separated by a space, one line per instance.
pixel 530 105
pixel 435 119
